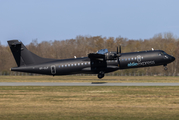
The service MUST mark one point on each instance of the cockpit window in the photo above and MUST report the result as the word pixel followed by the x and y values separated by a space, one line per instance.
pixel 162 53
pixel 102 51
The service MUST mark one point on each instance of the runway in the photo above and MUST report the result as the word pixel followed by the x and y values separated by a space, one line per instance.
pixel 83 84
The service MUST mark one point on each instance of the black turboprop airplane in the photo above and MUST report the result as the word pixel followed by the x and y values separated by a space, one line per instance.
pixel 96 63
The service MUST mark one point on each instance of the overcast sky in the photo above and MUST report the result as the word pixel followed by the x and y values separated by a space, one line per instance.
pixel 27 20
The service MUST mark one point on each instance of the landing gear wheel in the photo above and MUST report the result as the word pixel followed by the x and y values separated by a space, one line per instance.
pixel 165 67
pixel 100 74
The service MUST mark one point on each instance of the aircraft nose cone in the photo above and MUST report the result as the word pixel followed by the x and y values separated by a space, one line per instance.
pixel 173 58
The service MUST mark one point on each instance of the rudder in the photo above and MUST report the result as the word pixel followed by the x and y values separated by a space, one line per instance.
pixel 15 47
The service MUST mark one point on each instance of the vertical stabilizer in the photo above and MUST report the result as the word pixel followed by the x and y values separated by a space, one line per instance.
pixel 15 47
pixel 23 56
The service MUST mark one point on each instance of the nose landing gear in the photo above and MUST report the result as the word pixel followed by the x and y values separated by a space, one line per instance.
pixel 100 74
pixel 165 67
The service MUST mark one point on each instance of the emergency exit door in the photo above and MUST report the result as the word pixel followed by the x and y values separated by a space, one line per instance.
pixel 53 69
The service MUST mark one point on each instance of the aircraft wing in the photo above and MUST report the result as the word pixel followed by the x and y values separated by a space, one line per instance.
pixel 96 56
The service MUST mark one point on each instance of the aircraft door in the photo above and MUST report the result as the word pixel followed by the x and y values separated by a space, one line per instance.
pixel 53 69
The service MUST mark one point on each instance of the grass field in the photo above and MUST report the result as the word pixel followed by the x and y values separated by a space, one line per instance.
pixel 120 79
pixel 80 103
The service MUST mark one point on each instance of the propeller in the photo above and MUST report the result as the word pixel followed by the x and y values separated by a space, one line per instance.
pixel 118 51
pixel 118 55
pixel 114 55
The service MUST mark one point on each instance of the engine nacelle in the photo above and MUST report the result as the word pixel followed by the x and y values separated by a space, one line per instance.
pixel 110 56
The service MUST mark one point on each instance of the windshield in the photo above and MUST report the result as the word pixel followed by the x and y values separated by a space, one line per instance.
pixel 162 53
pixel 102 51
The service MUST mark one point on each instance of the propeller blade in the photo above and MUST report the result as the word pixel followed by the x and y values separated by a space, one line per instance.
pixel 118 61
pixel 120 49
pixel 118 55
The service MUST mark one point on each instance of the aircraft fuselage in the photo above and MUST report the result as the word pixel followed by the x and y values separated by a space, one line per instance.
pixel 96 63
pixel 83 65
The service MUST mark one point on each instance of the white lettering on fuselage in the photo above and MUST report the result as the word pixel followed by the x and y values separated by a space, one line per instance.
pixel 132 64
pixel 43 68
pixel 146 63
pixel 139 62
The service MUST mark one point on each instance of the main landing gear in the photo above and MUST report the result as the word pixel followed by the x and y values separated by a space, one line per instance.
pixel 100 74
pixel 165 67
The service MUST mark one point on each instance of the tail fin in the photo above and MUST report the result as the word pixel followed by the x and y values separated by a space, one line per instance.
pixel 23 56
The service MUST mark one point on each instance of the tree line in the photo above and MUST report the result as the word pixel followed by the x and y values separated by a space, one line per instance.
pixel 81 46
